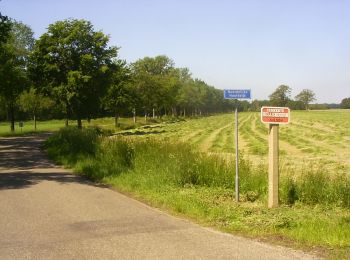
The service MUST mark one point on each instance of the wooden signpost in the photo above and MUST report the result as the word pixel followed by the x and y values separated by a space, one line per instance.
pixel 274 116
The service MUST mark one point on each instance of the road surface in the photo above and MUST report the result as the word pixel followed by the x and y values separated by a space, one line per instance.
pixel 48 213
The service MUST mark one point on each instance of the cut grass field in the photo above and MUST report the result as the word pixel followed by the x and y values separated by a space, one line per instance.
pixel 312 139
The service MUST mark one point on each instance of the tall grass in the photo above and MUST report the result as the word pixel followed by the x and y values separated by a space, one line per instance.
pixel 180 165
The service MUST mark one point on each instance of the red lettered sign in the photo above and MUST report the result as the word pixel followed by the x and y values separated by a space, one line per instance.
pixel 275 115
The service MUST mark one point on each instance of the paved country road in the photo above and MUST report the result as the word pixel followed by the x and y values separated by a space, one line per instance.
pixel 48 213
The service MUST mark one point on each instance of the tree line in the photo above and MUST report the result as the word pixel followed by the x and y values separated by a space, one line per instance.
pixel 72 72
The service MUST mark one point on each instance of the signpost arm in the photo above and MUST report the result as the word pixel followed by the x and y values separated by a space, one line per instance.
pixel 273 166
pixel 236 141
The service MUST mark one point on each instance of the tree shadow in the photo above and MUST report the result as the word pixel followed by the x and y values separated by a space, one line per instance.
pixel 23 164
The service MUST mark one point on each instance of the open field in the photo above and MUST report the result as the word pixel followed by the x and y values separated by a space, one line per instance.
pixel 313 139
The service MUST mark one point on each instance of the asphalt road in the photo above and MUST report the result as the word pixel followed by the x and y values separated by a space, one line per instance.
pixel 48 213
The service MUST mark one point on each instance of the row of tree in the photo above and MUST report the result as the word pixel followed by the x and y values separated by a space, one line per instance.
pixel 72 72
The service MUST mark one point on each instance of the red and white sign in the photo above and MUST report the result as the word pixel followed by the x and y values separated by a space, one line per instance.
pixel 275 115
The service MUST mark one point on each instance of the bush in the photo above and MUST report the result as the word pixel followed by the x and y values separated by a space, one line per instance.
pixel 72 142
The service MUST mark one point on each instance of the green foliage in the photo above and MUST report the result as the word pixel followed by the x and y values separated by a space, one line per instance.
pixel 152 77
pixel 71 142
pixel 121 94
pixel 289 191
pixel 72 62
pixel 306 96
pixel 13 58
pixel 34 103
pixel 5 28
pixel 280 96
pixel 345 103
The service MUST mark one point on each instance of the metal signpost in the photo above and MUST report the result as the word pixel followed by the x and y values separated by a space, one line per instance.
pixel 274 116
pixel 237 94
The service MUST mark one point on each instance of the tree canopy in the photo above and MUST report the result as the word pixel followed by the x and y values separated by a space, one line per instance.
pixel 306 96
pixel 345 103
pixel 71 62
pixel 281 96
pixel 13 71
pixel 5 28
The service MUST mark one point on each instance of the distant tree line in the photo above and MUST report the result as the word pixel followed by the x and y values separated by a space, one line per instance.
pixel 71 72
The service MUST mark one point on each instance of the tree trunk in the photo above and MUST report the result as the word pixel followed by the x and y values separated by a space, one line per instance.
pixel 67 116
pixel 12 118
pixel 89 120
pixel 154 114
pixel 34 122
pixel 80 125
pixel 116 116
pixel 134 114
pixel 184 112
pixel 146 117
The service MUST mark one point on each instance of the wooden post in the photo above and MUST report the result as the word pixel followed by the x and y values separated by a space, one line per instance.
pixel 273 166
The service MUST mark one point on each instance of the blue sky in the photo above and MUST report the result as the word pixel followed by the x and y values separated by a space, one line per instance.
pixel 229 44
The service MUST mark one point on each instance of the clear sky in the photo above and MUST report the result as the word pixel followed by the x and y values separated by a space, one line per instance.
pixel 256 44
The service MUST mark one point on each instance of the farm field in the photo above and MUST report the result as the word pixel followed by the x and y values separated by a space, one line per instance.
pixel 312 139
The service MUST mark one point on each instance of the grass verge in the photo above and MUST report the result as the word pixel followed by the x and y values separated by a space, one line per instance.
pixel 174 176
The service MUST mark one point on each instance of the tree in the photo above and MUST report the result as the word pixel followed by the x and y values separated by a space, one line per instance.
pixel 32 102
pixel 345 103
pixel 13 72
pixel 5 28
pixel 71 62
pixel 306 96
pixel 152 77
pixel 280 96
pixel 120 94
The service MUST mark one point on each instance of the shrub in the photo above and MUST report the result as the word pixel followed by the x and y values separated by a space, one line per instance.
pixel 71 141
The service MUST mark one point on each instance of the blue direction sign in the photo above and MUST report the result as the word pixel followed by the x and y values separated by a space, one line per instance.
pixel 237 94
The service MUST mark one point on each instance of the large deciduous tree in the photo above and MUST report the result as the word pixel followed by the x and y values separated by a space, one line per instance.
pixel 345 103
pixel 13 58
pixel 152 77
pixel 71 62
pixel 281 96
pixel 306 96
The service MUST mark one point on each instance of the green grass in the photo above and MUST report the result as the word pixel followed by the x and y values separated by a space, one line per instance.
pixel 176 176
pixel 106 123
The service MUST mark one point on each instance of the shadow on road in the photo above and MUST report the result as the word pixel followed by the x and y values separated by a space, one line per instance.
pixel 23 164
pixel 25 179
pixel 23 153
